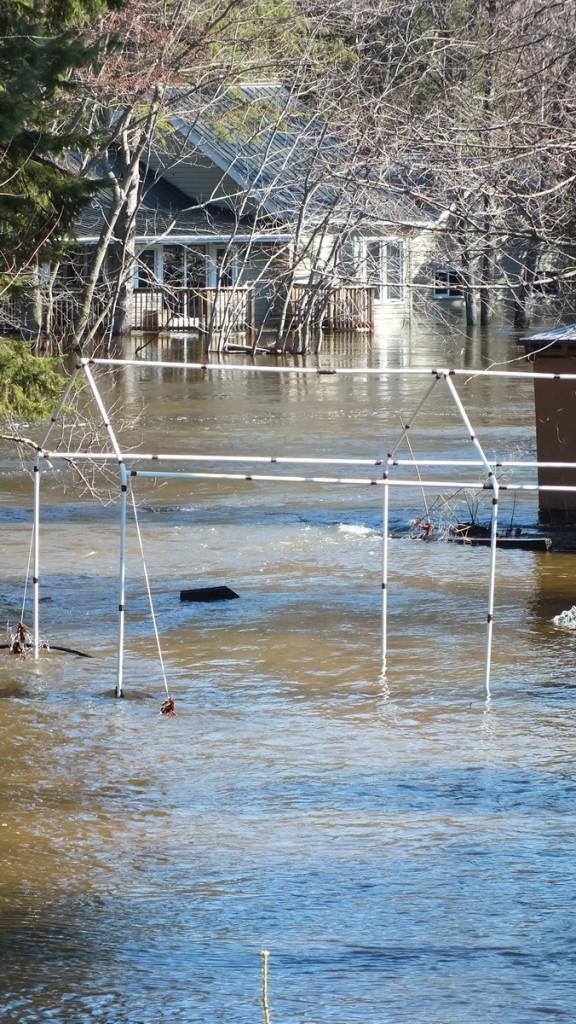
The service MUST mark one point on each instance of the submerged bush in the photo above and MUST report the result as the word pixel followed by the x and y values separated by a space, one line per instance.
pixel 29 384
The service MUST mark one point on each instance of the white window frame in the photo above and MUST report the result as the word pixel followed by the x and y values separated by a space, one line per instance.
pixel 158 250
pixel 385 288
pixel 451 291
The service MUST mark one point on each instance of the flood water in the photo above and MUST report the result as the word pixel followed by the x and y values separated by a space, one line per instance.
pixel 404 849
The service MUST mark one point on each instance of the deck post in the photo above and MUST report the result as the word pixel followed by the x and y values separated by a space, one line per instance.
pixel 553 353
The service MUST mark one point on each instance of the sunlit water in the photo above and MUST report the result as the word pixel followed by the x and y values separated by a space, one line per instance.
pixel 404 850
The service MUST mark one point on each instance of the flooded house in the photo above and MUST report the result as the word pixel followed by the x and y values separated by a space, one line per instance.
pixel 251 220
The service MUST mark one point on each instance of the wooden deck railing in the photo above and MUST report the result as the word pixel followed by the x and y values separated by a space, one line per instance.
pixel 203 309
pixel 10 315
pixel 59 311
pixel 344 308
pixel 218 311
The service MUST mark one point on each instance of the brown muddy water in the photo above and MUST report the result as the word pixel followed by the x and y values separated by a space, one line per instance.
pixel 404 850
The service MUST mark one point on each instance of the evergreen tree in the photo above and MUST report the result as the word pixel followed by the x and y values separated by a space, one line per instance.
pixel 42 44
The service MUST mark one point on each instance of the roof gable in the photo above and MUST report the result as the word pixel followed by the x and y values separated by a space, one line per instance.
pixel 261 139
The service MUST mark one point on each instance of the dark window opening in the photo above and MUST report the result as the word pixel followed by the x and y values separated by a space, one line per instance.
pixel 448 284
pixel 146 275
pixel 545 283
pixel 224 273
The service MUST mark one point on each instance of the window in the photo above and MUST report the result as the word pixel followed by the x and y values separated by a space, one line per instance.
pixel 225 268
pixel 448 283
pixel 72 270
pixel 196 267
pixel 347 260
pixel 545 283
pixel 174 266
pixel 395 270
pixel 385 268
pixel 146 277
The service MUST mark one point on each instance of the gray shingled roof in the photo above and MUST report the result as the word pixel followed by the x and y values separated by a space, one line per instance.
pixel 152 220
pixel 268 142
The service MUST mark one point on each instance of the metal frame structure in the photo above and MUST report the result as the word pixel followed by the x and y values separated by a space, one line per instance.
pixel 386 480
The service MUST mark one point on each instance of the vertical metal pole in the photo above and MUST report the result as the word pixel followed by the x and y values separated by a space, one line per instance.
pixel 385 519
pixel 492 583
pixel 124 478
pixel 36 569
pixel 493 529
pixel 265 1004
pixel 122 579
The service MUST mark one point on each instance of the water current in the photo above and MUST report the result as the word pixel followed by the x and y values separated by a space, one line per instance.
pixel 405 850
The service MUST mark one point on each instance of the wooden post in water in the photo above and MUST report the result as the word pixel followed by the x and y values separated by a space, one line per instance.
pixel 554 352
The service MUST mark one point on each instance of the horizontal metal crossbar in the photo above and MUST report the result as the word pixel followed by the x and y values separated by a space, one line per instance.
pixel 393 371
pixel 297 460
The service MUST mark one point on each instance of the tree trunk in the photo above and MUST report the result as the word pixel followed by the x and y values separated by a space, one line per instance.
pixel 470 304
pixel 485 282
pixel 488 108
pixel 36 318
pixel 523 292
pixel 124 258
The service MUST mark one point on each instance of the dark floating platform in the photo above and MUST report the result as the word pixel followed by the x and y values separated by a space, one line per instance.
pixel 208 594
pixel 522 543
pixel 479 536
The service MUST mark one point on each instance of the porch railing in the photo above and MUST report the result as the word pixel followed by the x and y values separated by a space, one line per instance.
pixel 206 310
pixel 343 308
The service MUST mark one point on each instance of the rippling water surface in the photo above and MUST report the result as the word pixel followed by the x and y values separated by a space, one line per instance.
pixel 405 850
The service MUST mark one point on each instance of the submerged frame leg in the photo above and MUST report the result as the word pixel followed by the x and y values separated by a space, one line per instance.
pixel 493 527
pixel 36 566
pixel 122 580
pixel 492 583
pixel 385 522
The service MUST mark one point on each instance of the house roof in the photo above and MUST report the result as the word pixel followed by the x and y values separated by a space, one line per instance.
pixel 266 141
pixel 274 156
pixel 166 213
pixel 555 335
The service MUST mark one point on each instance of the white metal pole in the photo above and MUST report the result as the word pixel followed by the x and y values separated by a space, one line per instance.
pixel 492 583
pixel 124 480
pixel 493 531
pixel 328 371
pixel 385 524
pixel 472 436
pixel 321 371
pixel 36 567
pixel 103 412
pixel 355 481
pixel 136 456
pixel 265 1003
pixel 409 423
pixel 122 580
